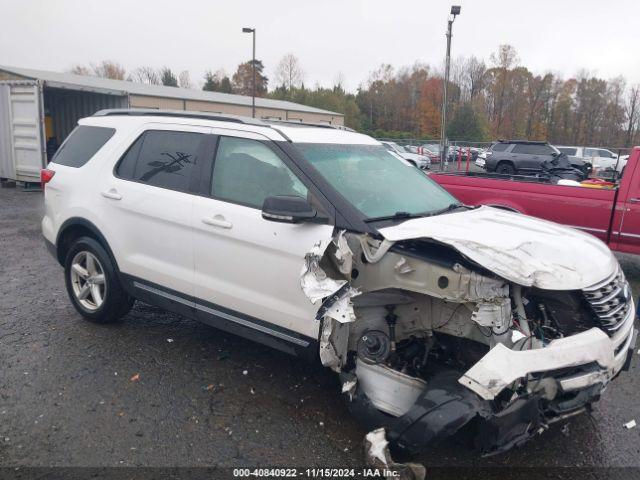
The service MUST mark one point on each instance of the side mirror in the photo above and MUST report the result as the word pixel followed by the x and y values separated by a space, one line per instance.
pixel 288 209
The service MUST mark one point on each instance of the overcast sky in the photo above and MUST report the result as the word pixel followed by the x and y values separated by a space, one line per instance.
pixel 351 37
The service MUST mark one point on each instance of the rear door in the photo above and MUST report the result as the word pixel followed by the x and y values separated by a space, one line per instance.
pixel 147 203
pixel 248 268
pixel 22 153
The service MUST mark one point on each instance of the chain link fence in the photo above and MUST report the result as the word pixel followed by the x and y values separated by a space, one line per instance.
pixel 463 154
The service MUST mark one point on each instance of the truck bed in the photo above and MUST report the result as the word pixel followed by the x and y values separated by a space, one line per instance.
pixel 588 209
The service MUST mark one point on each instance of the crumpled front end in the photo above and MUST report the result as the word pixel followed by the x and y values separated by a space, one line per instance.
pixel 427 341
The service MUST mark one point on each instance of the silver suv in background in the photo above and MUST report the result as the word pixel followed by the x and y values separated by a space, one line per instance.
pixel 522 157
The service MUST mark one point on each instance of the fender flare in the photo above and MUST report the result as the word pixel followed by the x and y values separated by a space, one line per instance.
pixel 83 222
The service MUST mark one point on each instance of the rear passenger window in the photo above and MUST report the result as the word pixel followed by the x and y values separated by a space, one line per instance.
pixel 499 147
pixel 82 144
pixel 533 149
pixel 162 158
pixel 246 172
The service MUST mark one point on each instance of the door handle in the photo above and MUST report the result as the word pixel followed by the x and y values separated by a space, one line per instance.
pixel 634 200
pixel 217 221
pixel 112 194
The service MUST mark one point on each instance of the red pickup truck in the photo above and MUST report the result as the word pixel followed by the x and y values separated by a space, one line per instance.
pixel 612 215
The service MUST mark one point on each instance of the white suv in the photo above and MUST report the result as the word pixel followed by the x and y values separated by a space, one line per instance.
pixel 319 242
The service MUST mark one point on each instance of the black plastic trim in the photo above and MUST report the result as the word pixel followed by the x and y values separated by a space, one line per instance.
pixel 77 221
pixel 347 216
pixel 222 318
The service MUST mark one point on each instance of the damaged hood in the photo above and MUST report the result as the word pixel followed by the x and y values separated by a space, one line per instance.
pixel 522 249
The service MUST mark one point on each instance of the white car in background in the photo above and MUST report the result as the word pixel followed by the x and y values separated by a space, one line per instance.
pixel 600 159
pixel 421 161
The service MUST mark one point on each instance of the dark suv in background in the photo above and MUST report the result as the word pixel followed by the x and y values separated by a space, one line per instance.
pixel 513 157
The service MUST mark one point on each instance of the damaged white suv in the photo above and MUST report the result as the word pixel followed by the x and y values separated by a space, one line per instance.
pixel 318 242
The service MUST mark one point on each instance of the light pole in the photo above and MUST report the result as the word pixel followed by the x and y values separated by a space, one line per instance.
pixel 455 10
pixel 253 63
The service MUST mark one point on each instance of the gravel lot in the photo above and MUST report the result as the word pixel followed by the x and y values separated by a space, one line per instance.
pixel 67 397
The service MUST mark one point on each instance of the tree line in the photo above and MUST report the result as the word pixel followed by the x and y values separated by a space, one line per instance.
pixel 499 98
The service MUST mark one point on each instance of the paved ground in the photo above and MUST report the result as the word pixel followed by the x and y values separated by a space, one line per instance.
pixel 66 398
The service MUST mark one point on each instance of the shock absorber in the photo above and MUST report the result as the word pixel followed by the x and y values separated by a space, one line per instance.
pixel 391 319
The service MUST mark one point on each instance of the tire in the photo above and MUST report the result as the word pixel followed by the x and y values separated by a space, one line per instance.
pixel 506 168
pixel 92 282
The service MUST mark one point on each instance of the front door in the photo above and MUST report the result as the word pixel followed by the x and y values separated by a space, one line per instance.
pixel 248 268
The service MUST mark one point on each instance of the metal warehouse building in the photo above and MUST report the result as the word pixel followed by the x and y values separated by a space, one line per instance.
pixel 38 109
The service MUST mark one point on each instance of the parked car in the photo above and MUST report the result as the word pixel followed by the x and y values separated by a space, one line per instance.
pixel 420 161
pixel 600 159
pixel 612 215
pixel 520 157
pixel 456 152
pixel 319 242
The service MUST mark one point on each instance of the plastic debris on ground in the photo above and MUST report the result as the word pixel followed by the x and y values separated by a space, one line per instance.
pixel 630 424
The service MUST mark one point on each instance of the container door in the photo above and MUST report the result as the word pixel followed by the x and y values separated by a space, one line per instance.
pixel 23 126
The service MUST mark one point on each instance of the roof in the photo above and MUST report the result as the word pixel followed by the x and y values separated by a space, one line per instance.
pixel 123 87
pixel 277 131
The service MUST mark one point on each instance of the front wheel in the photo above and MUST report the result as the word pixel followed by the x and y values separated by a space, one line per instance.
pixel 92 283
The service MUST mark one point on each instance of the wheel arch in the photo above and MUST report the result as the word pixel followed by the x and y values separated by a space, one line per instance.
pixel 77 227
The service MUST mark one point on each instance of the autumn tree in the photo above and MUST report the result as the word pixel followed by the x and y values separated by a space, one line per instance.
pixel 242 80
pixel 104 69
pixel 109 69
pixel 430 108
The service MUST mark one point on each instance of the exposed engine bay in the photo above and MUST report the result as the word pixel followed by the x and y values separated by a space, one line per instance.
pixel 427 341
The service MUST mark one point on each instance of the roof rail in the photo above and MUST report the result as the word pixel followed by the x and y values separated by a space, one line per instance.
pixel 219 117
pixel 525 142
pixel 295 123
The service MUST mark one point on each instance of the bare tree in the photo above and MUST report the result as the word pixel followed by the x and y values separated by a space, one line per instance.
pixel 184 79
pixel 109 69
pixel 147 75
pixel 80 70
pixel 475 72
pixel 289 73
pixel 632 110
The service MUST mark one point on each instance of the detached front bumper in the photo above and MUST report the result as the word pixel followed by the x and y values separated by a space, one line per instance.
pixel 502 366
pixel 576 370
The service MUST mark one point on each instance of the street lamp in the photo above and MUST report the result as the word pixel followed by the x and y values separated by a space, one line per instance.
pixel 455 10
pixel 253 96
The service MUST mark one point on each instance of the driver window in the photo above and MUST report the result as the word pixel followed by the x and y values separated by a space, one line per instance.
pixel 247 171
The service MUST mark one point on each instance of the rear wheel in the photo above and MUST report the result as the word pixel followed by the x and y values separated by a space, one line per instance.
pixel 506 168
pixel 92 282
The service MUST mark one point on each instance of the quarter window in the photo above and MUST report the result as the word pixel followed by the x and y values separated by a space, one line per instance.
pixel 499 147
pixel 247 171
pixel 83 143
pixel 162 158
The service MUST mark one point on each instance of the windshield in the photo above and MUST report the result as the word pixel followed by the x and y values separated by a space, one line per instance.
pixel 376 182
